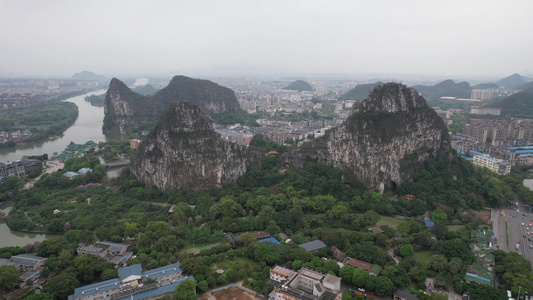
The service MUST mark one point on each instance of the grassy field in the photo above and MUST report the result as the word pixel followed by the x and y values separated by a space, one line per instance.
pixel 227 263
pixel 391 221
pixel 197 250
pixel 422 256
pixel 454 227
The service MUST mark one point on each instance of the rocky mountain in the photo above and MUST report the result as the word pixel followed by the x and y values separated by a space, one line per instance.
pixel 299 85
pixel 446 88
pixel 359 92
pixel 384 141
pixel 183 152
pixel 125 109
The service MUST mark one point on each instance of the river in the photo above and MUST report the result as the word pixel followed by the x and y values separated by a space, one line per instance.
pixel 87 127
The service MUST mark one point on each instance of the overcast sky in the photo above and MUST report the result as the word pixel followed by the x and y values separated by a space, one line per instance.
pixel 298 38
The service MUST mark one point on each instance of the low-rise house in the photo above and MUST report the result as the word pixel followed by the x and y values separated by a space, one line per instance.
pixel 112 252
pixel 29 266
pixel 85 171
pixel 313 245
pixel 303 284
pixel 372 269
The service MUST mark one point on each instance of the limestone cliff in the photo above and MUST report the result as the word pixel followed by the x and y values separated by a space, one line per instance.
pixel 384 141
pixel 183 152
pixel 125 109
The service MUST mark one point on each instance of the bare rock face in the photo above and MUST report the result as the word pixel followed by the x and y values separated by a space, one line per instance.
pixel 183 152
pixel 385 141
pixel 125 109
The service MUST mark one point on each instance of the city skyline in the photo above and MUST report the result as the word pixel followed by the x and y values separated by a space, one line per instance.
pixel 240 38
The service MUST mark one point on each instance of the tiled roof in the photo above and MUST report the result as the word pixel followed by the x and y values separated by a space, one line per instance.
pixel 359 264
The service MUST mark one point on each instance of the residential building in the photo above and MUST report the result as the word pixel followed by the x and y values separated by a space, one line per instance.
pixel 477 110
pixel 305 284
pixel 29 266
pixel 500 166
pixel 131 284
pixel 482 94
pixel 15 168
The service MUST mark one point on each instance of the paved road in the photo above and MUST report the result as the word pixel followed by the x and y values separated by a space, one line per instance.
pixel 520 236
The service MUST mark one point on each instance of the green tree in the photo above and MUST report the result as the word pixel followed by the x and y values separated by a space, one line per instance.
pixel 203 286
pixel 90 267
pixel 438 216
pixel 186 290
pixel 9 278
pixel 406 250
pixel 61 286
pixel 384 286
pixel 437 263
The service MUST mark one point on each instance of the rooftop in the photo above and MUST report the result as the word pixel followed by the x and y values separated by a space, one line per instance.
pixel 27 260
pixel 313 245
pixel 359 264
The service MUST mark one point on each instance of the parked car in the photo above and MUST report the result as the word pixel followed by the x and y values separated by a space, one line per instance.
pixel 372 293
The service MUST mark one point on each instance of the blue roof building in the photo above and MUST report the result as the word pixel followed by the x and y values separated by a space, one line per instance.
pixel 85 171
pixel 270 239
pixel 130 284
pixel 429 223
pixel 71 175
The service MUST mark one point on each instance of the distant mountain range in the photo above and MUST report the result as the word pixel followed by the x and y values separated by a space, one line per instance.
pixel 484 86
pixel 299 85
pixel 359 92
pixel 86 75
pixel 446 88
pixel 514 81
pixel 145 90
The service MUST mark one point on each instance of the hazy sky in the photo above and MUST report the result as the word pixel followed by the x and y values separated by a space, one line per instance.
pixel 233 37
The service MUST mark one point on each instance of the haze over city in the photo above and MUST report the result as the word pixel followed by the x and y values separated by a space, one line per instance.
pixel 483 39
